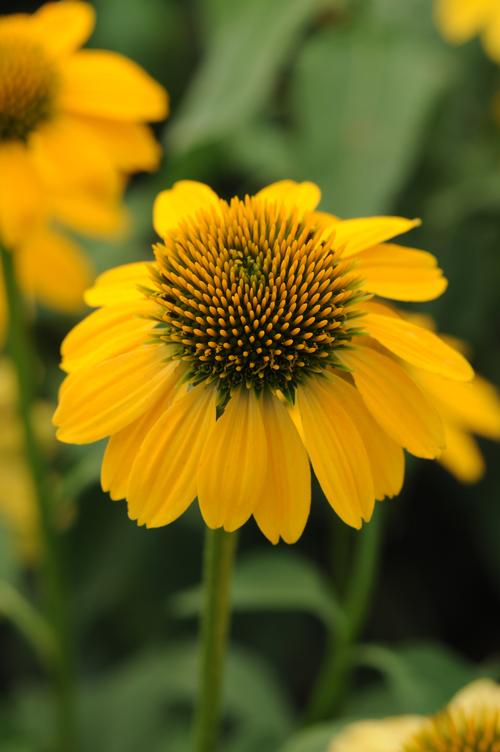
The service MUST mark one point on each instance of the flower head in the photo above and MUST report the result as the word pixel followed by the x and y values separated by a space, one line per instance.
pixel 460 20
pixel 250 347
pixel 72 122
pixel 470 723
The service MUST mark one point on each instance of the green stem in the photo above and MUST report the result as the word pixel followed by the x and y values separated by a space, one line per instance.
pixel 23 357
pixel 334 675
pixel 217 570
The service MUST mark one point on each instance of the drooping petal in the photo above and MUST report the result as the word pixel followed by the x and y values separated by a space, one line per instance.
pixel 123 447
pixel 64 27
pixel 180 202
pixel 418 346
pixel 385 455
pixel 283 507
pixel 234 464
pixel 393 271
pixel 162 483
pixel 292 195
pixel 474 405
pixel 21 197
pixel 103 398
pixel 130 146
pixel 104 334
pixel 107 84
pixel 337 452
pixel 461 455
pixel 396 402
pixel 120 285
pixel 460 20
pixel 355 235
pixel 55 270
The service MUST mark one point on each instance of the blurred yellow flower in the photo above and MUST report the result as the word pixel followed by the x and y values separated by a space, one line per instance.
pixel 18 509
pixel 247 348
pixel 71 122
pixel 460 20
pixel 470 723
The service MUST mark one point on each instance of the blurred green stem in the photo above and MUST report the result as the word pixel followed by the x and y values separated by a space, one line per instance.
pixel 217 573
pixel 23 357
pixel 334 675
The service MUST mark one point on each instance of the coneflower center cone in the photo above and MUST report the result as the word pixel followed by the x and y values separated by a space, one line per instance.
pixel 458 730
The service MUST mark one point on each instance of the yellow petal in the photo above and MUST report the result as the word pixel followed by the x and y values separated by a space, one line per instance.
pixel 105 334
pixel 386 457
pixel 55 270
pixel 107 84
pixel 163 479
pixel 396 402
pixel 180 202
pixel 70 156
pixel 418 346
pixel 387 735
pixel 120 285
pixel 474 405
pixel 233 466
pixel 123 447
pixel 292 195
pixel 64 27
pixel 393 271
pixel 337 452
pixel 461 455
pixel 21 197
pixel 355 235
pixel 90 214
pixel 99 400
pixel 130 146
pixel 478 695
pixel 491 36
pixel 283 507
pixel 460 20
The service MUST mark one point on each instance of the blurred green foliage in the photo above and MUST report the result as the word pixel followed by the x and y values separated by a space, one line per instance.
pixel 363 97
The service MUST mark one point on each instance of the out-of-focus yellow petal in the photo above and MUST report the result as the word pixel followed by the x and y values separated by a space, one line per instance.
pixel 55 270
pixel 474 406
pixel 21 197
pixel 460 20
pixel 491 35
pixel 418 346
pixel 104 334
pixel 107 84
pixel 130 146
pixel 461 455
pixel 103 398
pixel 63 27
pixel 162 483
pixel 386 735
pixel 90 214
pixel 180 202
pixel 123 447
pixel 337 452
pixel 355 235
pixel 292 195
pixel 393 271
pixel 120 285
pixel 478 695
pixel 283 507
pixel 234 463
pixel 396 402
pixel 386 457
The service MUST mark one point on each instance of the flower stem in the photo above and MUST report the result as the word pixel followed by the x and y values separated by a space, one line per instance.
pixel 23 358
pixel 217 570
pixel 334 675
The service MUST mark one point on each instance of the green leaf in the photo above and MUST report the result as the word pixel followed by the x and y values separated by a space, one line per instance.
pixel 315 739
pixel 28 621
pixel 247 47
pixel 361 98
pixel 273 581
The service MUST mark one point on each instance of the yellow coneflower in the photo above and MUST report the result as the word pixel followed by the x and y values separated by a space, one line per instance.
pixel 460 20
pixel 71 120
pixel 470 722
pixel 250 346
